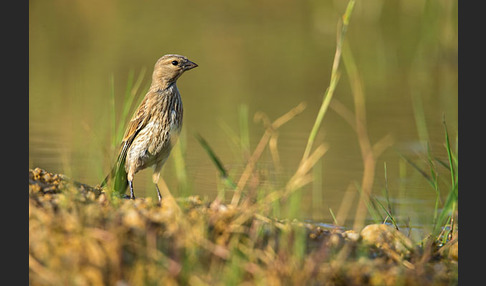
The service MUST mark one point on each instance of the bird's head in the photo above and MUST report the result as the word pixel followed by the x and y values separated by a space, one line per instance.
pixel 169 68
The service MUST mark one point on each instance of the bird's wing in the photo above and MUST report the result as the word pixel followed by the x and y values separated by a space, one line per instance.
pixel 137 123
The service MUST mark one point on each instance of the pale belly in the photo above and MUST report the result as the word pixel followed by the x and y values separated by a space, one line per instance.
pixel 154 143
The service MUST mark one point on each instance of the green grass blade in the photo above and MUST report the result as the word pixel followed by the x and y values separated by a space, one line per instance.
pixel 386 193
pixel 335 74
pixel 389 215
pixel 452 198
pixel 418 169
pixel 450 156
pixel 216 161
pixel 333 217
pixel 370 206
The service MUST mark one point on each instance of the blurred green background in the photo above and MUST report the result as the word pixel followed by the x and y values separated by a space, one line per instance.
pixel 266 55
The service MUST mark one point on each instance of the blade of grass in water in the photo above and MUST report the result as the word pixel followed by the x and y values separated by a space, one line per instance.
pixel 450 156
pixel 432 179
pixel 450 205
pixel 388 210
pixel 216 161
pixel 370 205
pixel 333 217
pixel 387 196
pixel 388 213
pixel 434 183
pixel 418 169
pixel 334 80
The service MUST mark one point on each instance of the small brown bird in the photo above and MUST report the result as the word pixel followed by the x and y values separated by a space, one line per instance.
pixel 154 127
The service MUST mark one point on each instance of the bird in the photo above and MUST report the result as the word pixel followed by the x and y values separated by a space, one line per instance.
pixel 154 127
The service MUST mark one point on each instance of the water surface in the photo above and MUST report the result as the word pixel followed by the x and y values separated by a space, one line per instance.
pixel 268 57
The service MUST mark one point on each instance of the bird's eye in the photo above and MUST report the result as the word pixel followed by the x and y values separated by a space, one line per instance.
pixel 175 63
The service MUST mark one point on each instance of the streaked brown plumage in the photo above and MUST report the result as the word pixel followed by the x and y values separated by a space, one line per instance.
pixel 154 127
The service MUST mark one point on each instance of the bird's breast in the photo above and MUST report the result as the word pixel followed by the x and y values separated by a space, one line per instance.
pixel 167 122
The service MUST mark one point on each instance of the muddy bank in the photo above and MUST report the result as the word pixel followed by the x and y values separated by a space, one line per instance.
pixel 78 233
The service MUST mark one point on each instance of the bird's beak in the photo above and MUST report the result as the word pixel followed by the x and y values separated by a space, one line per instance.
pixel 189 65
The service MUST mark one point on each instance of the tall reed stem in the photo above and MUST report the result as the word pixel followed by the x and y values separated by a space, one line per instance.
pixel 334 80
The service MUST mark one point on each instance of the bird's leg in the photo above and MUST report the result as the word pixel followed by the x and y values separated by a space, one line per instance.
pixel 130 175
pixel 155 179
pixel 132 195
pixel 158 193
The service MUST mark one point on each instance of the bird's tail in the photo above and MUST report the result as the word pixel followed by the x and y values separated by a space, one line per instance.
pixel 119 175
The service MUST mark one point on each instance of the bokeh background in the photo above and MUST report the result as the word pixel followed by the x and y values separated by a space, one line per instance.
pixel 259 56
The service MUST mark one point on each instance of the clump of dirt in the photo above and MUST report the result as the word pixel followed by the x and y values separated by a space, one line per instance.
pixel 41 181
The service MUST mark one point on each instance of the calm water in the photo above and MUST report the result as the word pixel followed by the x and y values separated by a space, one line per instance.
pixel 268 57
